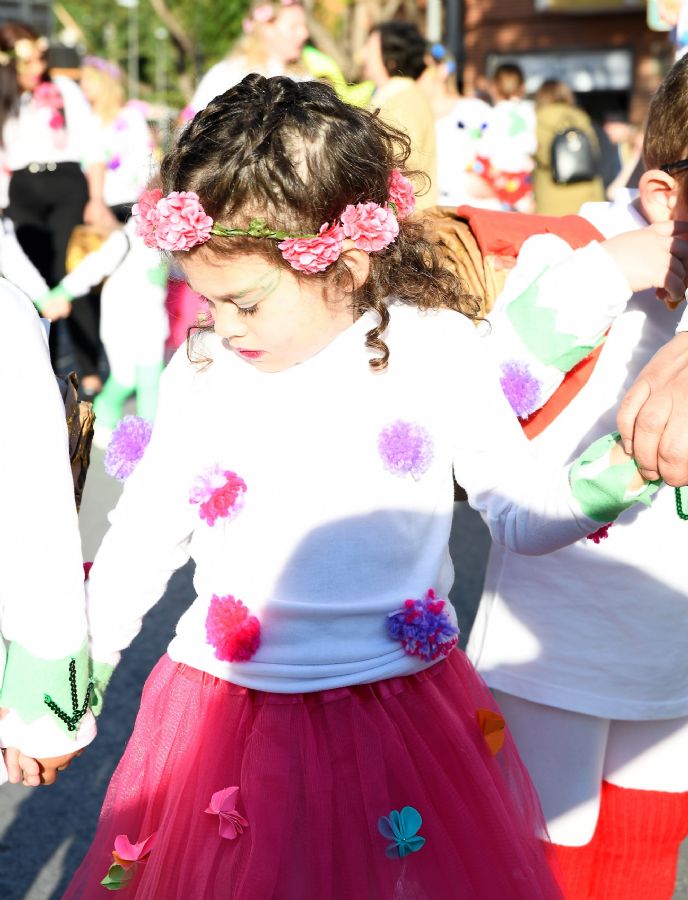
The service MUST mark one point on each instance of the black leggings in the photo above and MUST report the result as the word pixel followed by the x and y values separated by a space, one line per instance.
pixel 45 207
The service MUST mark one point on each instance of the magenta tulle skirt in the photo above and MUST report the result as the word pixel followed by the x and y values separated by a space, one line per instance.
pixel 325 784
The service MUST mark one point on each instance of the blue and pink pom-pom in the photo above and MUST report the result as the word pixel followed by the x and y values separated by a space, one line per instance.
pixel 424 628
pixel 405 448
pixel 219 494
pixel 521 388
pixel 127 445
pixel 231 629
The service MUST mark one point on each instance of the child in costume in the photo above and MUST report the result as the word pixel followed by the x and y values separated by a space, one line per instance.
pixel 134 291
pixel 585 648
pixel 313 731
pixel 44 681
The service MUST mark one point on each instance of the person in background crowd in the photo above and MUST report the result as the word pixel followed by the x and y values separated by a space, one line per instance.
pixel 556 112
pixel 275 33
pixel 509 143
pixel 394 58
pixel 47 138
pixel 460 124
pixel 127 139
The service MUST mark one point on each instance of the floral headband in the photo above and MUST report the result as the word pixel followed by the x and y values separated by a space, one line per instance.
pixel 265 13
pixel 102 65
pixel 179 222
pixel 23 49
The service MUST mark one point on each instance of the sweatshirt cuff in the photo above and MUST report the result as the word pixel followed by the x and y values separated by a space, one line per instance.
pixel 602 488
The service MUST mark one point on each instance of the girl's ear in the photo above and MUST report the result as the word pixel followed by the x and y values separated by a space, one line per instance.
pixel 659 194
pixel 358 263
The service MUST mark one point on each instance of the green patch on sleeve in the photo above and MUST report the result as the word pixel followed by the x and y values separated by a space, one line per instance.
pixel 603 497
pixel 536 327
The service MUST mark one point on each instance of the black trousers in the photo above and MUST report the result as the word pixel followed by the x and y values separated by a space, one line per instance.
pixel 45 207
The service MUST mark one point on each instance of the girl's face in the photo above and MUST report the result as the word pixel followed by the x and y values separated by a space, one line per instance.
pixel 30 68
pixel 286 34
pixel 266 315
pixel 90 83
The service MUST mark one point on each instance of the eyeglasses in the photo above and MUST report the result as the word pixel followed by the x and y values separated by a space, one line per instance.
pixel 679 166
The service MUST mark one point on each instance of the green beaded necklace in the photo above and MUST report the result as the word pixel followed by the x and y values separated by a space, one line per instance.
pixel 681 507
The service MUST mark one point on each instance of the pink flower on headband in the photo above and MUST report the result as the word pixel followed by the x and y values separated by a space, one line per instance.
pixel 175 222
pixel 370 226
pixel 401 194
pixel 314 254
pixel 263 13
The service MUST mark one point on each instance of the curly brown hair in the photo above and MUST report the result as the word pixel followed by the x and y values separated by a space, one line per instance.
pixel 293 154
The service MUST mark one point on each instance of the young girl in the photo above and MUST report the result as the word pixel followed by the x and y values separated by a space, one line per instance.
pixel 313 731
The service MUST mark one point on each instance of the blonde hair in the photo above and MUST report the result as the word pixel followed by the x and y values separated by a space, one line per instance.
pixel 250 47
pixel 110 97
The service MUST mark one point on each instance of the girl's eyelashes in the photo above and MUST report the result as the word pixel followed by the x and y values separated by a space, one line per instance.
pixel 248 310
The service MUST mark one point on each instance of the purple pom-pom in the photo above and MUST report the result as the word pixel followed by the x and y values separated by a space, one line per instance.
pixel 424 628
pixel 126 447
pixel 405 448
pixel 521 388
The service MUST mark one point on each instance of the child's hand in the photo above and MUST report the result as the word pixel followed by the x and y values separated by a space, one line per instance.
pixel 49 766
pixel 654 257
pixel 55 308
pixel 22 768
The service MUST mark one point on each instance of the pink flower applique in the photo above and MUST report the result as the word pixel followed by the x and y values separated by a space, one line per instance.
pixel 371 226
pixel 405 448
pixel 219 494
pixel 601 534
pixel 314 254
pixel 223 804
pixel 173 223
pixel 48 96
pixel 401 194
pixel 231 629
pixel 127 857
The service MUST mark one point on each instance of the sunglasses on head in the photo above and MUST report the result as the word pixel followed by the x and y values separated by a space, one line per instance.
pixel 679 166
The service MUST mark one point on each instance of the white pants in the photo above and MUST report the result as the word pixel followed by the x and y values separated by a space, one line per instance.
pixel 569 755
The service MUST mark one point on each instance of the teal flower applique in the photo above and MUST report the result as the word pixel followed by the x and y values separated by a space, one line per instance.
pixel 401 827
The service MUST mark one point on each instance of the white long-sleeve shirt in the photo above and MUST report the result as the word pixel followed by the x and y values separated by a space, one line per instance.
pixel 42 606
pixel 595 628
pixel 330 540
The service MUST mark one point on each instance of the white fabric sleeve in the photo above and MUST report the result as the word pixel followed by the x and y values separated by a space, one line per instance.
pixel 98 265
pixel 151 525
pixel 526 502
pixel 218 79
pixel 683 322
pixel 16 266
pixel 555 308
pixel 42 606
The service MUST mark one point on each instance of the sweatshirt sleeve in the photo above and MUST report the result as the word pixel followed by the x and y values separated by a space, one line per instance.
pixel 530 505
pixel 555 309
pixel 44 676
pixel 97 265
pixel 150 528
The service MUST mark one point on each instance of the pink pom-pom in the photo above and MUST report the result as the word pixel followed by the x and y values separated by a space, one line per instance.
pixel 521 388
pixel 401 194
pixel 231 629
pixel 218 493
pixel 371 227
pixel 314 254
pixel 601 534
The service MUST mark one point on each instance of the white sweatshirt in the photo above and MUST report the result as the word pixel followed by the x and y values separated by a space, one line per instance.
pixel 341 521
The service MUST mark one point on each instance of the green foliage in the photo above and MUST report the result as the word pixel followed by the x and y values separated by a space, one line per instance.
pixel 211 26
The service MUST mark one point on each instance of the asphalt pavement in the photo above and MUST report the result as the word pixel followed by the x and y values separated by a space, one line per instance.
pixel 45 832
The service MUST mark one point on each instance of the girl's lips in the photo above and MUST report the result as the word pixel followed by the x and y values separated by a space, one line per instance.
pixel 249 354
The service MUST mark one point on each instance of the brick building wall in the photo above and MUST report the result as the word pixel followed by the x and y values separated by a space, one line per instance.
pixel 515 26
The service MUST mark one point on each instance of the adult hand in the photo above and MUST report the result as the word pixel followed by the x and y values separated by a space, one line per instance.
pixel 98 214
pixel 21 768
pixel 653 416
pixel 654 257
